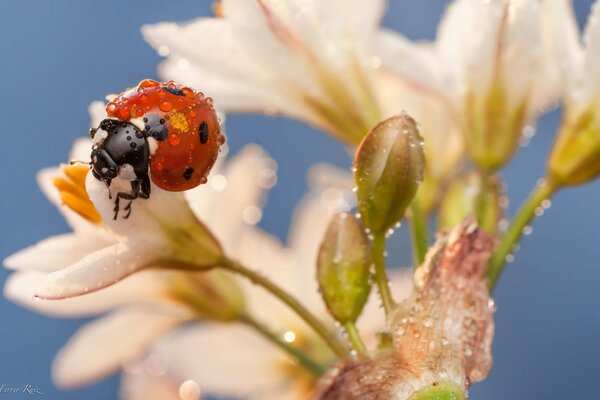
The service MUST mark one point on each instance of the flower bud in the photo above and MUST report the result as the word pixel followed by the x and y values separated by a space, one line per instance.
pixel 575 157
pixel 442 334
pixel 462 200
pixel 343 268
pixel 212 295
pixel 388 170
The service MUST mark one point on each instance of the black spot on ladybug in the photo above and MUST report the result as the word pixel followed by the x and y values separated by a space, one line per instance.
pixel 203 130
pixel 187 174
pixel 176 92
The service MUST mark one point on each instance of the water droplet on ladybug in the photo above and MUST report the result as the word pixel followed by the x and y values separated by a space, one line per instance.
pixel 124 112
pixel 165 106
pixel 174 140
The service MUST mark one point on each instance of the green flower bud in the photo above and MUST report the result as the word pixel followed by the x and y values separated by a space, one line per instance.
pixel 343 268
pixel 462 200
pixel 212 295
pixel 575 157
pixel 388 170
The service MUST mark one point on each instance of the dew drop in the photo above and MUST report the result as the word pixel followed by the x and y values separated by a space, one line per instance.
pixel 165 106
pixel 528 230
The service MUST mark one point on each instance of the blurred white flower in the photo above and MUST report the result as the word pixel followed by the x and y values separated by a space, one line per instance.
pixel 308 59
pixel 215 355
pixel 496 65
pixel 575 158
pixel 312 60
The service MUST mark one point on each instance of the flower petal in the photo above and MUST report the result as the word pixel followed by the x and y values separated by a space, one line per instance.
pixel 53 253
pixel 285 56
pixel 592 56
pixel 239 188
pixel 101 347
pixel 146 286
pixel 96 271
pixel 561 41
pixel 217 355
pixel 412 63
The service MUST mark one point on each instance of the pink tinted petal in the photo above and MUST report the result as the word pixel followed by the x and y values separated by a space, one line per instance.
pixel 146 286
pixel 96 271
pixel 104 345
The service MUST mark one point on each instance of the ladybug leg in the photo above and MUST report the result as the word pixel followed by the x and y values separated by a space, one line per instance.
pixel 144 191
pixel 116 208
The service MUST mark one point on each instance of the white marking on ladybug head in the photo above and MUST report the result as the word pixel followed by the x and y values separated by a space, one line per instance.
pixel 139 123
pixel 127 173
pixel 152 145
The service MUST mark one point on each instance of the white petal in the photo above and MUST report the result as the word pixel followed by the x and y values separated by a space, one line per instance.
pixel 54 253
pixel 148 216
pixel 140 385
pixel 97 270
pixel 414 64
pixel 239 190
pixel 215 356
pixel 562 47
pixel 467 44
pixel 97 113
pixel 147 286
pixel 592 53
pixel 101 347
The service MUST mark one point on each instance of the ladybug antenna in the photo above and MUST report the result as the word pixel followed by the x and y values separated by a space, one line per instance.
pixel 73 162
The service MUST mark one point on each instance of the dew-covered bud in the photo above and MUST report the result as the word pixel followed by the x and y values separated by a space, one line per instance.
pixel 343 266
pixel 463 199
pixel 212 295
pixel 575 157
pixel 442 333
pixel 388 170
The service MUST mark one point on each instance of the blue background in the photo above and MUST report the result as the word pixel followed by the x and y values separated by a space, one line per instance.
pixel 59 55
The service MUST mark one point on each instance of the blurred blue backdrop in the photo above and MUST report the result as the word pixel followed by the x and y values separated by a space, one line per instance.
pixel 57 56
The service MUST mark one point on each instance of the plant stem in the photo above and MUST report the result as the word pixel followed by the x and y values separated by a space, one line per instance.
pixel 485 212
pixel 311 365
pixel 290 301
pixel 522 219
pixel 354 337
pixel 419 234
pixel 378 258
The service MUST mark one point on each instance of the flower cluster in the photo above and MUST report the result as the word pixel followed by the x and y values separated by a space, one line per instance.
pixel 431 124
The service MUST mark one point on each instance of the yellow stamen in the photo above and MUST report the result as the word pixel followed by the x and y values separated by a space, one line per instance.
pixel 73 193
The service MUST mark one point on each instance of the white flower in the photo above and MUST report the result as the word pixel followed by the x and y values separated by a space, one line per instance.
pixel 145 305
pixel 315 60
pixel 308 59
pixel 102 250
pixel 575 158
pixel 496 66
pixel 215 355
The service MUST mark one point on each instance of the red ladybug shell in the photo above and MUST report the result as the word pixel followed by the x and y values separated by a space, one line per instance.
pixel 183 160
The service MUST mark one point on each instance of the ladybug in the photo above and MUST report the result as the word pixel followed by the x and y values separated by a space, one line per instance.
pixel 163 132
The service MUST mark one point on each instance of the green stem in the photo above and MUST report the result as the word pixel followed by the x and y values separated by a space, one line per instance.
pixel 354 337
pixel 311 365
pixel 419 234
pixel 512 236
pixel 290 301
pixel 484 209
pixel 378 258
